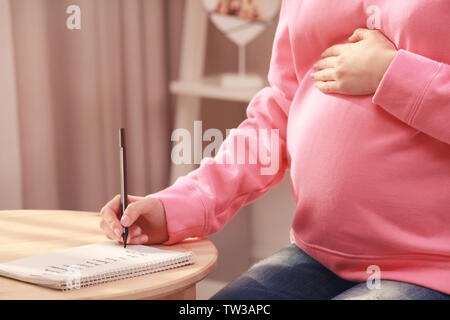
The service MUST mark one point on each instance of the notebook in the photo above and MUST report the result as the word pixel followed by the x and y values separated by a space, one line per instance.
pixel 93 264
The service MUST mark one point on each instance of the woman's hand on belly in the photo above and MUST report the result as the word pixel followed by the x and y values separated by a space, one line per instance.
pixel 355 68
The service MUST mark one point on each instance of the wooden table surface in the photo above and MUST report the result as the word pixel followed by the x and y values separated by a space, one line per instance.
pixel 33 232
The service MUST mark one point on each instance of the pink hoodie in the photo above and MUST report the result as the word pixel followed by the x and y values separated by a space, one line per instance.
pixel 370 175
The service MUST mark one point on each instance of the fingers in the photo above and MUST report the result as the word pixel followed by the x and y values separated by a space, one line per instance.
pixel 112 206
pixel 324 75
pixel 132 199
pixel 112 227
pixel 110 223
pixel 326 63
pixel 112 210
pixel 135 236
pixel 141 239
pixel 361 34
pixel 328 86
pixel 106 228
pixel 136 209
pixel 333 50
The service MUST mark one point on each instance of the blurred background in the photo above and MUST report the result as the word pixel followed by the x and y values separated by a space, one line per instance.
pixel 147 65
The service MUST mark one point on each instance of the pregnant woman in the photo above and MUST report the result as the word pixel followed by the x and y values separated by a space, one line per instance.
pixel 359 97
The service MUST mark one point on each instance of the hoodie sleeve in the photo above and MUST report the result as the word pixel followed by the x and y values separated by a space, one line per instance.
pixel 203 201
pixel 416 90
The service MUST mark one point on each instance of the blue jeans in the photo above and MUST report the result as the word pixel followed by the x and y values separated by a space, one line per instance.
pixel 291 274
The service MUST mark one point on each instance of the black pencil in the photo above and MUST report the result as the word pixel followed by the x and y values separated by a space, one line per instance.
pixel 123 180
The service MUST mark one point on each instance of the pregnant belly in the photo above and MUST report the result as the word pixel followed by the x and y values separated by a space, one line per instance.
pixel 359 175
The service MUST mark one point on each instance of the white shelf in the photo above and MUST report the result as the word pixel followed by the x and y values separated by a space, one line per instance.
pixel 209 87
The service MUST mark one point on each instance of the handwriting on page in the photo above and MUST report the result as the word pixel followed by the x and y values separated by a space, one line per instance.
pixel 91 263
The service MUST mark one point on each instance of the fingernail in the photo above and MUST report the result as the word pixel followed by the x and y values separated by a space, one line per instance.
pixel 117 232
pixel 125 220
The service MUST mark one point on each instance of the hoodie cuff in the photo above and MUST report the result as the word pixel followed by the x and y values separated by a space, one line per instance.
pixel 185 211
pixel 404 85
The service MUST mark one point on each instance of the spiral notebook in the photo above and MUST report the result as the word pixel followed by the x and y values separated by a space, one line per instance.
pixel 83 266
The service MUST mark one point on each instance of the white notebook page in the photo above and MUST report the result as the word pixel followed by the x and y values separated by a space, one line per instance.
pixel 100 262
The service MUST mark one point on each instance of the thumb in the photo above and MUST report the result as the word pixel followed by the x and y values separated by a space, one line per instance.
pixel 135 210
pixel 359 34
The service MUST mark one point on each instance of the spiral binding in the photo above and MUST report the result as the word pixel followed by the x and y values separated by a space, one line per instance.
pixel 134 271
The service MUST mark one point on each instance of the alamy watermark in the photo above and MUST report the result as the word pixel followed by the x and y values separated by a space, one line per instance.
pixel 73 280
pixel 374 280
pixel 243 146
pixel 73 22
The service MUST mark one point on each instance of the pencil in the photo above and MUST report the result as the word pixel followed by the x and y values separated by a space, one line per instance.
pixel 123 180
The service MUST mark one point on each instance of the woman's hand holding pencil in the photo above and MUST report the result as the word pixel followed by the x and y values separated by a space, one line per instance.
pixel 144 217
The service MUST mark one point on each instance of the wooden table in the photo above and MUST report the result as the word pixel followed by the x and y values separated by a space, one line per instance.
pixel 27 233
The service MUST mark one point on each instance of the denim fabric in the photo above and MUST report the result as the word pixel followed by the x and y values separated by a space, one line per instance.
pixel 291 274
pixel 391 290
